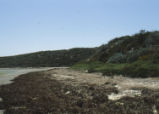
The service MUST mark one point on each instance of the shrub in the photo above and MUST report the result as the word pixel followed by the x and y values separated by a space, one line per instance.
pixel 133 55
pixel 111 72
pixel 152 39
pixel 117 58
pixel 155 58
pixel 136 69
pixel 144 57
pixel 141 69
pixel 91 70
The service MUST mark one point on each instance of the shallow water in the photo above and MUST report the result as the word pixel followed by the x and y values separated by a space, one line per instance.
pixel 7 74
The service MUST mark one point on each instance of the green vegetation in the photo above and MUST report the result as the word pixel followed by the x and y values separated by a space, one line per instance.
pixel 48 58
pixel 128 49
pixel 135 56
pixel 136 69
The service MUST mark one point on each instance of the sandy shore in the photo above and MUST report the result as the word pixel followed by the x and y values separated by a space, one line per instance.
pixel 67 91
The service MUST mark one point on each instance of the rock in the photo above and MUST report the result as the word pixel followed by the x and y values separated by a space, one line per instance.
pixel 68 92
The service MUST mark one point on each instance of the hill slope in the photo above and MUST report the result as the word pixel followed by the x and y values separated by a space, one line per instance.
pixel 128 49
pixel 47 58
pixel 136 55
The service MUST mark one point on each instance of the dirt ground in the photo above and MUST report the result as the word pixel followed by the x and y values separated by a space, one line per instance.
pixel 65 91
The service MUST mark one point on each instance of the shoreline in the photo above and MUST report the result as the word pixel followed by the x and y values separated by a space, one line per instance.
pixel 53 91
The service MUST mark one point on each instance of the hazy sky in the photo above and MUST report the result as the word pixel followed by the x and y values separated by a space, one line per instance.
pixel 34 25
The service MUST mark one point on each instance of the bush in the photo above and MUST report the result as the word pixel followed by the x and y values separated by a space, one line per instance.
pixel 117 58
pixel 155 58
pixel 152 39
pixel 136 69
pixel 141 69
pixel 91 70
pixel 111 72
pixel 133 55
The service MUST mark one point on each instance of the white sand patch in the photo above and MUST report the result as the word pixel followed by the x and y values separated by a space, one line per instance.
pixel 63 76
pixel 122 83
pixel 130 93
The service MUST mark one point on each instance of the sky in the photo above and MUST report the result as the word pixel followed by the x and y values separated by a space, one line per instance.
pixel 38 25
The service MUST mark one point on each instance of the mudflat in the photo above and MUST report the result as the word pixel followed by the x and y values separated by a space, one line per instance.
pixel 63 90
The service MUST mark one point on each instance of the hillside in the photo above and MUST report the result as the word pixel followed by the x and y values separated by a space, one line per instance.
pixel 128 48
pixel 136 55
pixel 47 58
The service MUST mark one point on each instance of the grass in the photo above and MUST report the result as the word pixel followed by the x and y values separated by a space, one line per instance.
pixel 136 69
pixel 141 69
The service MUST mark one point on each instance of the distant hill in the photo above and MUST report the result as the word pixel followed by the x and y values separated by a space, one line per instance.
pixel 136 56
pixel 48 58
